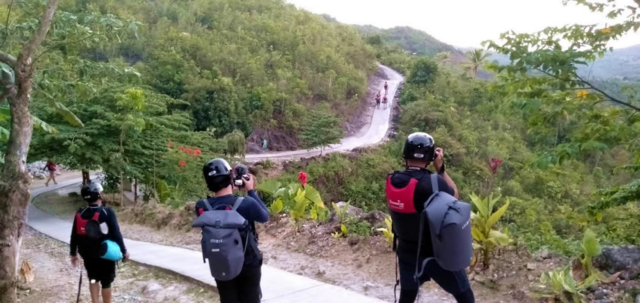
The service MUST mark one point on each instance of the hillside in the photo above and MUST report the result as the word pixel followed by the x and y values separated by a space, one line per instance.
pixel 410 39
pixel 239 64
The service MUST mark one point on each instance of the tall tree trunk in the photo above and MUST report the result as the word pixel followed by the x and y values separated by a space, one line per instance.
pixel 86 178
pixel 14 178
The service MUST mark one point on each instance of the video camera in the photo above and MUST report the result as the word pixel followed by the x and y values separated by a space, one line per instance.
pixel 240 175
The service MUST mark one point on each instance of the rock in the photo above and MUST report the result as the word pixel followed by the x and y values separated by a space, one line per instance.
pixel 190 207
pixel 621 258
pixel 600 294
pixel 353 241
pixel 531 266
pixel 531 278
pixel 542 255
pixel 631 273
pixel 151 287
pixel 368 286
pixel 352 210
pixel 39 176
pixel 375 218
pixel 638 299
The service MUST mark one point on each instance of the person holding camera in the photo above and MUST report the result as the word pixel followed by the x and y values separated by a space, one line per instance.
pixel 411 188
pixel 221 180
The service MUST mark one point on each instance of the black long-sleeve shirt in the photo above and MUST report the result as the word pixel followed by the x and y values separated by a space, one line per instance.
pixel 79 243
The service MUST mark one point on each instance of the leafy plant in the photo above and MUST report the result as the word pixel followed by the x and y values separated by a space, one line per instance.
pixel 341 212
pixel 387 231
pixel 561 285
pixel 277 206
pixel 360 228
pixel 319 214
pixel 342 233
pixel 590 249
pixel 482 229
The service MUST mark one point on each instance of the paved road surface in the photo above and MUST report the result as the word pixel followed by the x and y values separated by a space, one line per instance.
pixel 375 134
pixel 278 286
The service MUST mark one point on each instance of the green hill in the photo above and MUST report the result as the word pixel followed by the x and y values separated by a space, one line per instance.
pixel 410 39
pixel 240 64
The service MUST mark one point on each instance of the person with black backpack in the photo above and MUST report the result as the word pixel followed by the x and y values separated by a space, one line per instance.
pixel 229 238
pixel 96 236
pixel 441 249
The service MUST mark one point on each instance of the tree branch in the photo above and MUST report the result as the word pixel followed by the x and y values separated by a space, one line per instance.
pixel 39 36
pixel 8 59
pixel 6 26
pixel 611 98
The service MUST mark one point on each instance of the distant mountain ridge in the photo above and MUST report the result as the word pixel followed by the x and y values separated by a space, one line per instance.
pixel 412 40
pixel 621 64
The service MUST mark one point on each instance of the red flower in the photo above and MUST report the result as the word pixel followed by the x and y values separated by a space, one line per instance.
pixel 170 144
pixel 188 151
pixel 182 163
pixel 197 152
pixel 302 177
pixel 494 164
pixel 181 147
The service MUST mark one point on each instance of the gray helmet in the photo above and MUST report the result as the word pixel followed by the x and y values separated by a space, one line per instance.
pixel 91 192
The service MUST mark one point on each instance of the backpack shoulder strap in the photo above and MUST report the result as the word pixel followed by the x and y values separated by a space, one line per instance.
pixel 434 183
pixel 237 204
pixel 207 204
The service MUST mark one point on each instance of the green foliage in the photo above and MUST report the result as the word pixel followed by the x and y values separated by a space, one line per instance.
pixel 358 228
pixel 236 144
pixel 341 212
pixel 423 72
pixel 387 231
pixel 590 249
pixel 344 231
pixel 412 40
pixel 300 201
pixel 477 58
pixel 560 284
pixel 321 129
pixel 483 221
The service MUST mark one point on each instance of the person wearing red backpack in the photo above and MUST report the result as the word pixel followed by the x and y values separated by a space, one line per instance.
pixel 407 191
pixel 92 227
pixel 51 168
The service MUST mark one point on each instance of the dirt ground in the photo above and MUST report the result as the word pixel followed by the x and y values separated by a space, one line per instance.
pixel 365 265
pixel 56 281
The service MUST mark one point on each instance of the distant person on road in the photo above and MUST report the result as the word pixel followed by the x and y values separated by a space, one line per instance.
pixel 93 225
pixel 414 184
pixel 378 100
pixel 51 169
pixel 386 87
pixel 384 101
pixel 244 288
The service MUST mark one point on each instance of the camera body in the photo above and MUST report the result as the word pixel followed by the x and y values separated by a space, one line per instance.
pixel 240 175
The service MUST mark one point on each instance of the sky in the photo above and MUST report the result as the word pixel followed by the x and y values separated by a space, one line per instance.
pixel 462 23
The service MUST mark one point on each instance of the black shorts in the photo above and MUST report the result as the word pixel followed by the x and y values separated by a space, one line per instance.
pixel 100 270
pixel 453 282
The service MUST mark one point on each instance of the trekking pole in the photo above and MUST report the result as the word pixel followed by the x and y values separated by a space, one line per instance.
pixel 79 287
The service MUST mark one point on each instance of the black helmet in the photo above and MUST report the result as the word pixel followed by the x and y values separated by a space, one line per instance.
pixel 217 174
pixel 419 146
pixel 91 192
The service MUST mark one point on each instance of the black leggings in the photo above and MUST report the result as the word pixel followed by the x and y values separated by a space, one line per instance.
pixel 245 288
pixel 456 283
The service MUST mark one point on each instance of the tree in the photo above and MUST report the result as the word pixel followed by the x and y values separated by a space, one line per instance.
pixel 423 72
pixel 477 58
pixel 443 58
pixel 321 129
pixel 236 144
pixel 14 179
pixel 587 119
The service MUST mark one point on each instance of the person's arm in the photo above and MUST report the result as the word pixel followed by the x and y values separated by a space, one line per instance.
pixel 73 243
pixel 438 164
pixel 114 230
pixel 259 211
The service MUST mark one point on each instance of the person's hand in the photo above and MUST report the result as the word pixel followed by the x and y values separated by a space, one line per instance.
pixel 74 261
pixel 249 184
pixel 126 257
pixel 439 160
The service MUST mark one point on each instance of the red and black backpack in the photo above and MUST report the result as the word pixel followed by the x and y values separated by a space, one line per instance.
pixel 89 227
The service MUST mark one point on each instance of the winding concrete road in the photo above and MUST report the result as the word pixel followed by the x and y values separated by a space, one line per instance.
pixel 374 133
